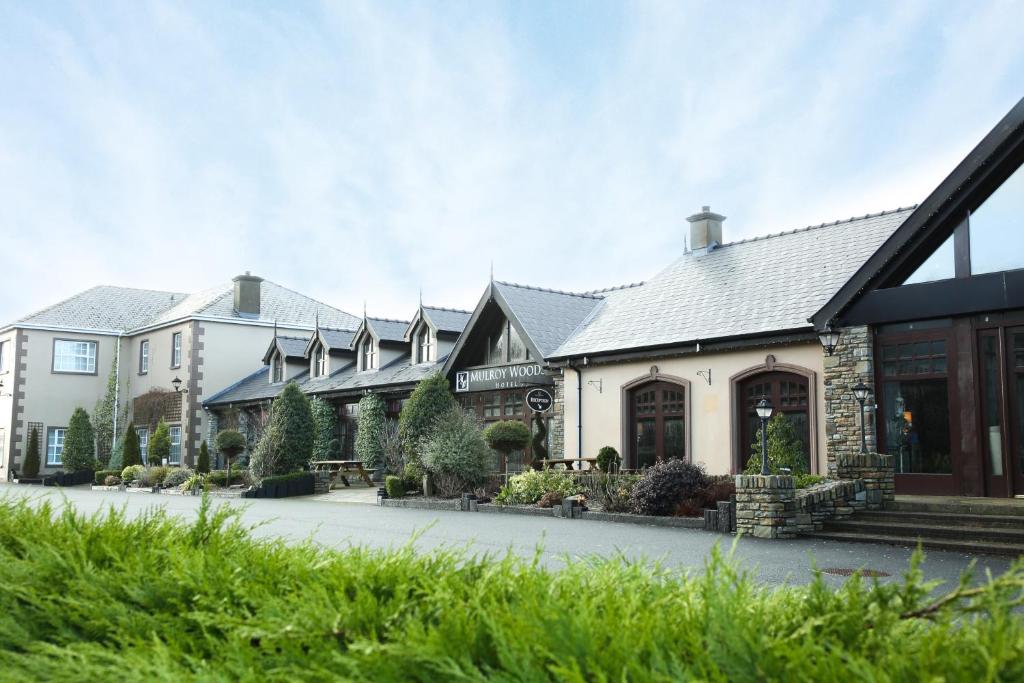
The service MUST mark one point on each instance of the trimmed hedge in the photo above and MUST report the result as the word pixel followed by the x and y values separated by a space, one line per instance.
pixel 101 476
pixel 285 486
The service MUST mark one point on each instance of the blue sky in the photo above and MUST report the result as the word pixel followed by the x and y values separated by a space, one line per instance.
pixel 362 151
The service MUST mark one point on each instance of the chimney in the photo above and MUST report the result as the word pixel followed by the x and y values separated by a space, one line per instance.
pixel 247 295
pixel 705 230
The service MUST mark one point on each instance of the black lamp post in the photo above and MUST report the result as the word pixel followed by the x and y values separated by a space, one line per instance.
pixel 829 339
pixel 861 391
pixel 764 411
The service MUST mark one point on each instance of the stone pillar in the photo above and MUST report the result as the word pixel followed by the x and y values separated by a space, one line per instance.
pixel 558 418
pixel 766 506
pixel 851 362
pixel 875 471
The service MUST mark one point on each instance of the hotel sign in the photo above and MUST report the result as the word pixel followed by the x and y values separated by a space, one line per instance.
pixel 501 377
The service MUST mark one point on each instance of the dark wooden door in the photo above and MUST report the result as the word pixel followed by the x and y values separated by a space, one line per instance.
pixel 1015 377
pixel 788 394
pixel 658 423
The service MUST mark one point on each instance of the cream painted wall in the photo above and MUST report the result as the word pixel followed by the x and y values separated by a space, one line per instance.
pixel 8 339
pixel 710 407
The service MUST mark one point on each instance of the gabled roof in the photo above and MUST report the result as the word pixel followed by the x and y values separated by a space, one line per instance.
pixel 290 347
pixel 548 316
pixel 384 329
pixel 753 287
pixel 335 340
pixel 105 308
pixel 443 320
pixel 913 242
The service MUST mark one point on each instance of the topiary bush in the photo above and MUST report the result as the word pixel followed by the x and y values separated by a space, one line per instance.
pixel 370 427
pixel 291 430
pixel 456 454
pixel 30 468
pixel 395 486
pixel 431 398
pixel 131 473
pixel 785 448
pixel 324 423
pixel 159 445
pixel 530 486
pixel 203 463
pixel 608 459
pixel 177 476
pixel 79 444
pixel 505 437
pixel 130 452
pixel 665 485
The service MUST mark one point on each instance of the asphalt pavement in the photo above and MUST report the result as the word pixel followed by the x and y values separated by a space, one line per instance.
pixel 340 524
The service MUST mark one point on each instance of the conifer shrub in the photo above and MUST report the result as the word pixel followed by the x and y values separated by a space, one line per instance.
pixel 203 462
pixel 608 459
pixel 290 430
pixel 324 424
pixel 663 486
pixel 456 455
pixel 30 468
pixel 131 454
pixel 370 427
pixel 261 459
pixel 79 444
pixel 431 399
pixel 159 445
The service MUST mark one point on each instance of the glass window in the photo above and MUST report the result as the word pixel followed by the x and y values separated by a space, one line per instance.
pixel 997 228
pixel 369 354
pixel 55 446
pixel 143 435
pixel 492 405
pixel 174 458
pixel 426 346
pixel 277 364
pixel 176 350
pixel 916 413
pixel 939 266
pixel 144 356
pixel 514 405
pixel 74 356
pixel 497 347
pixel 321 362
pixel 516 347
pixel 3 356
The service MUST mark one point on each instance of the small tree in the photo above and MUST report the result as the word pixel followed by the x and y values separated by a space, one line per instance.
pixel 391 448
pixel 103 419
pixel 30 468
pixel 159 445
pixel 370 425
pixel 130 452
pixel 324 424
pixel 456 454
pixel 79 443
pixel 291 429
pixel 785 448
pixel 261 459
pixel 540 441
pixel 507 436
pixel 203 465
pixel 231 443
pixel 431 398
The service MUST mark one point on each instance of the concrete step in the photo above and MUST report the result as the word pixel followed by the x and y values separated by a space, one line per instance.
pixel 953 545
pixel 943 518
pixel 961 506
pixel 909 528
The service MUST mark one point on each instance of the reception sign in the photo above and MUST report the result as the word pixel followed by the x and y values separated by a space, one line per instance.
pixel 501 377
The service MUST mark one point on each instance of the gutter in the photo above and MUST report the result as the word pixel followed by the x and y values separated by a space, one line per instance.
pixel 579 405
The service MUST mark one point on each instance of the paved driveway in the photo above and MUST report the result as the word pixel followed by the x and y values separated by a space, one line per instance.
pixel 338 524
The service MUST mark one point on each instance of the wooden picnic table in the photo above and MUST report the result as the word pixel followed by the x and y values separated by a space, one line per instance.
pixel 340 468
pixel 568 462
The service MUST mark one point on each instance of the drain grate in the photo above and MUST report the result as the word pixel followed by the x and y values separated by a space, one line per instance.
pixel 845 571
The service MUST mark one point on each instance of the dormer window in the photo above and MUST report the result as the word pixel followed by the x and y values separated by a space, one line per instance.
pixel 427 345
pixel 369 354
pixel 321 362
pixel 277 368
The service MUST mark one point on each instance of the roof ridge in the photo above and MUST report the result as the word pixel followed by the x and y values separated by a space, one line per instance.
pixel 806 228
pixel 450 310
pixel 387 320
pixel 616 288
pixel 582 295
pixel 140 289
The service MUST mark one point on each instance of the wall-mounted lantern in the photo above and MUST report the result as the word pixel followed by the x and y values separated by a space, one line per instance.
pixel 829 339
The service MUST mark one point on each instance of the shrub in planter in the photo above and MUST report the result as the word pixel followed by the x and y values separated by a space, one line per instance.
pixel 395 486
pixel 507 436
pixel 456 455
pixel 30 468
pixel 239 476
pixel 177 476
pixel 261 459
pixel 530 486
pixel 111 480
pixel 665 485
pixel 131 473
pixel 608 459
pixel 102 475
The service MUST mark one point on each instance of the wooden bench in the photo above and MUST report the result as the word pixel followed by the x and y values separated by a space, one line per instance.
pixel 339 469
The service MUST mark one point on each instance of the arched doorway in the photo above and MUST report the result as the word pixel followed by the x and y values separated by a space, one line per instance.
pixel 657 419
pixel 789 394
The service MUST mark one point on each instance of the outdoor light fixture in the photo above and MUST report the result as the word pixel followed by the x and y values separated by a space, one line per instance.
pixel 829 339
pixel 860 392
pixel 176 383
pixel 764 411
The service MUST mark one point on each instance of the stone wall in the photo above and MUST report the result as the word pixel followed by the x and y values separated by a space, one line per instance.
pixel 766 505
pixel 558 418
pixel 823 502
pixel 851 362
pixel 875 471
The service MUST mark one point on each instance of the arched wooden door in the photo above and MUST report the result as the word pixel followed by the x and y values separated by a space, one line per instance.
pixel 788 393
pixel 657 412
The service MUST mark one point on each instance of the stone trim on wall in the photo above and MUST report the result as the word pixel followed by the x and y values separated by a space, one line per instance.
pixel 194 414
pixel 17 397
pixel 850 363
pixel 557 432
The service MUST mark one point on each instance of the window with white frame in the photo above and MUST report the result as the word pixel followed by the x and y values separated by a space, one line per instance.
pixel 72 355
pixel 428 352
pixel 369 354
pixel 321 361
pixel 277 368
pixel 55 446
pixel 176 350
pixel 143 434
pixel 143 356
pixel 174 458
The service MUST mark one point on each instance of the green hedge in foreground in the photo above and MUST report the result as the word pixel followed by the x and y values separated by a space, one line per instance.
pixel 108 598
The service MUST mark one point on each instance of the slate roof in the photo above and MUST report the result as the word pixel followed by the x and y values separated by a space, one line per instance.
pixel 105 308
pixel 255 387
pixel 293 347
pixel 756 286
pixel 548 316
pixel 448 319
pixel 123 309
pixel 338 340
pixel 389 330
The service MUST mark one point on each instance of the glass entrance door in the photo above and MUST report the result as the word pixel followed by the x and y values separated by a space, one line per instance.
pixel 1001 366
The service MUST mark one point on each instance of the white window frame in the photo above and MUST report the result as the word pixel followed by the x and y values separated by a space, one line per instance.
pixel 143 434
pixel 74 356
pixel 144 357
pixel 176 350
pixel 427 345
pixel 321 361
pixel 276 368
pixel 174 455
pixel 369 354
pixel 55 446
